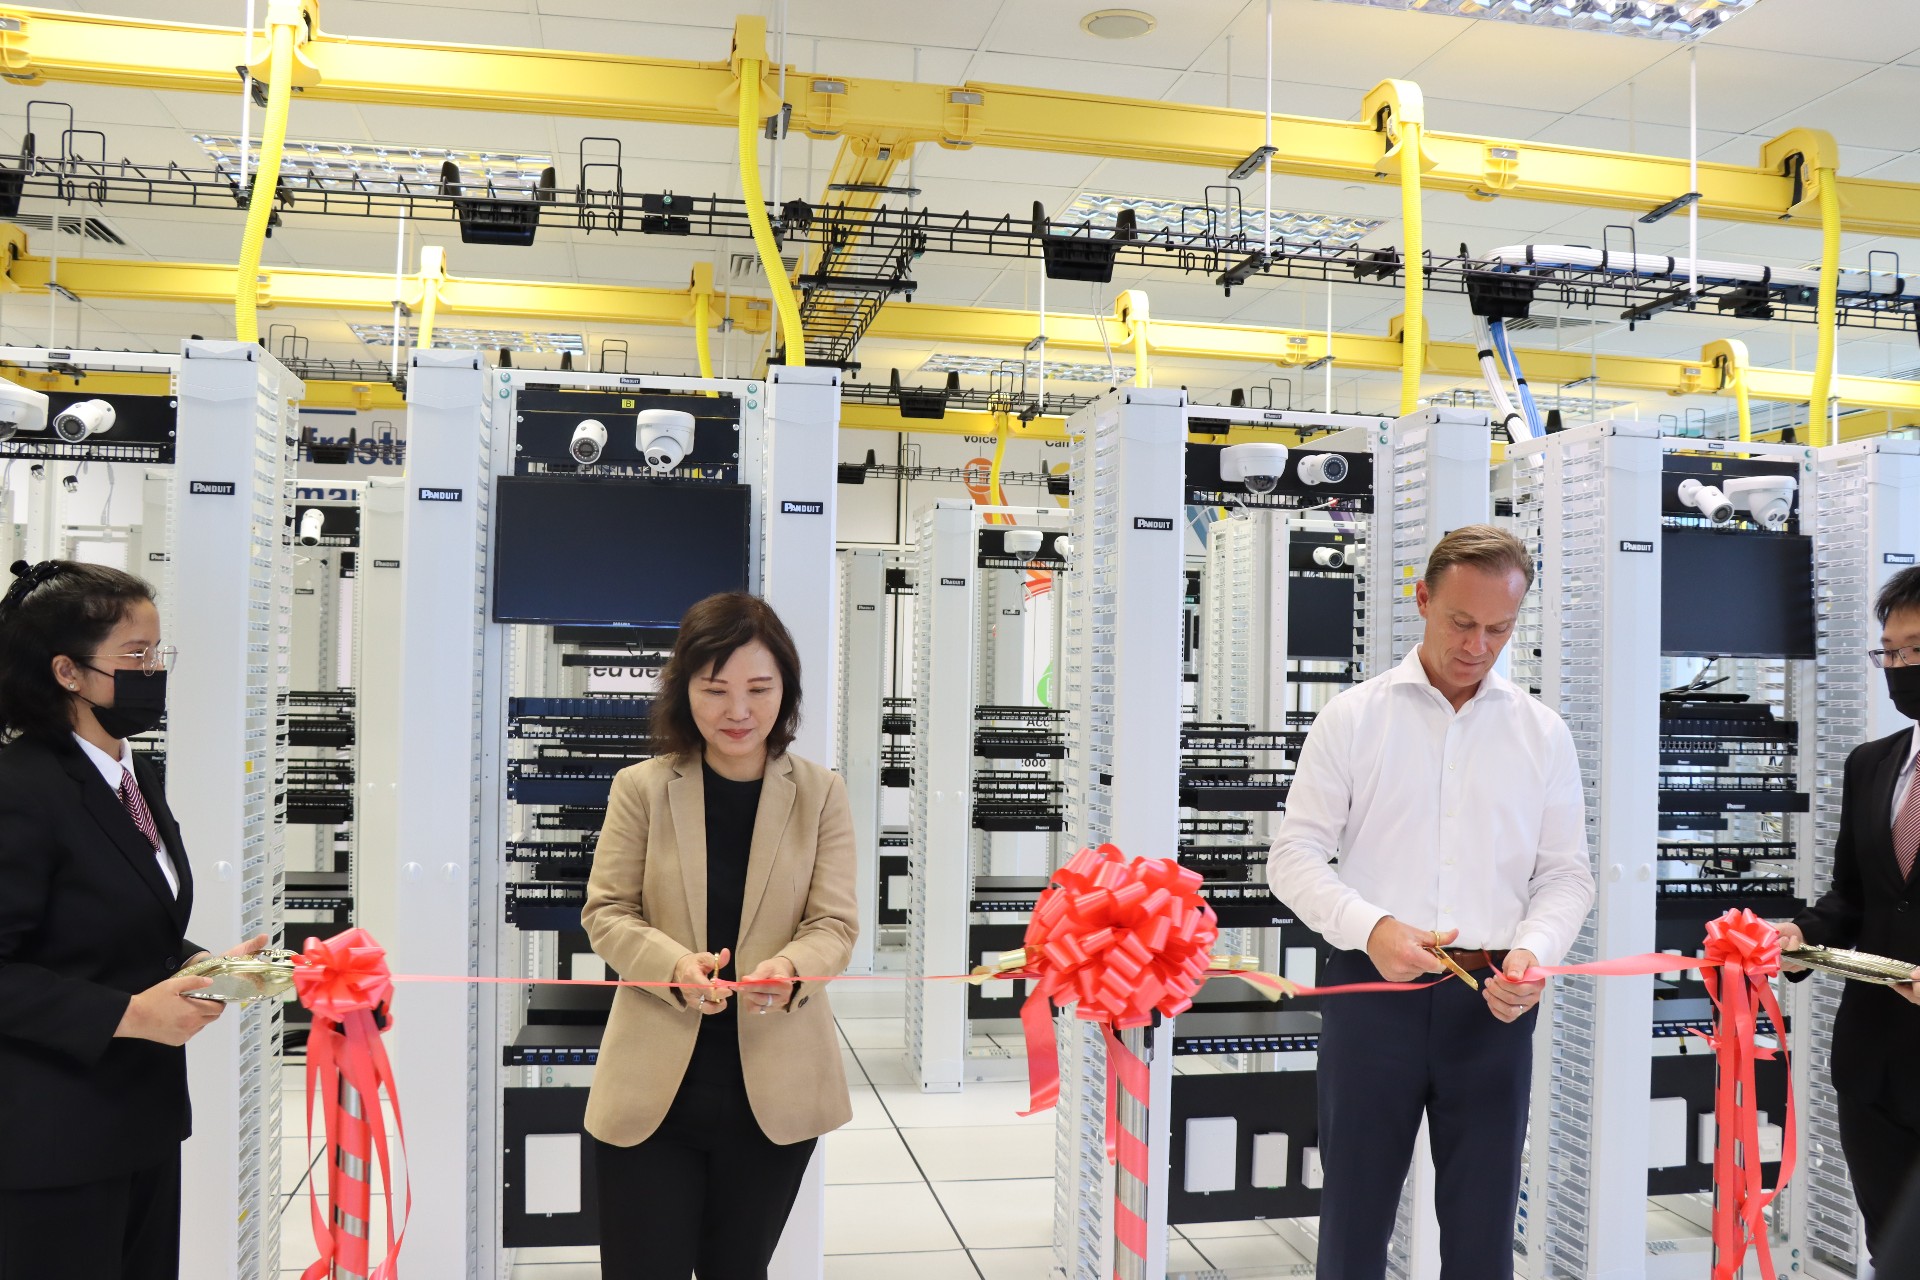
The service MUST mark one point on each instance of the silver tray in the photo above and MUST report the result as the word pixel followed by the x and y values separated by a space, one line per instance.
pixel 1858 966
pixel 265 975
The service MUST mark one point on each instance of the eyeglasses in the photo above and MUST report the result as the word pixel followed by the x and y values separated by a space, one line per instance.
pixel 157 658
pixel 1907 657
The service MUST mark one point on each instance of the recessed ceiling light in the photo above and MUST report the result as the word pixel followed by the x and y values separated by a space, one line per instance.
pixel 378 166
pixel 1153 216
pixel 1659 19
pixel 1117 24
pixel 1056 371
pixel 381 335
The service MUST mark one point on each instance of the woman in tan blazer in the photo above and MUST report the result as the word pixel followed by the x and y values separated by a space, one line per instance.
pixel 722 858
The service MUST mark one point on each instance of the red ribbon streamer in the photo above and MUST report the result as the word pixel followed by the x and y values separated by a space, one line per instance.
pixel 343 981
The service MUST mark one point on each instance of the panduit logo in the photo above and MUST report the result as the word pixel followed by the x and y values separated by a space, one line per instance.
pixel 440 495
pixel 1637 546
pixel 1898 557
pixel 803 508
pixel 217 488
pixel 953 582
pixel 1157 524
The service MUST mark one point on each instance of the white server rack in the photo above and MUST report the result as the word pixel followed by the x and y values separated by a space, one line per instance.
pixel 1122 632
pixel 1588 503
pixel 1864 500
pixel 227 759
pixel 863 675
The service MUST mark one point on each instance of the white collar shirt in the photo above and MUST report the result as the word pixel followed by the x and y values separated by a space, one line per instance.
pixel 111 770
pixel 1472 819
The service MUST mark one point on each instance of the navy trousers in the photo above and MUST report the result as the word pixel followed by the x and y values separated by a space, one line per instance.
pixel 1385 1060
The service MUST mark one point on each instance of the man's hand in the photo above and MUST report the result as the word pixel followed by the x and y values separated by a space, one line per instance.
pixel 1791 939
pixel 1402 953
pixel 1506 995
pixel 1907 989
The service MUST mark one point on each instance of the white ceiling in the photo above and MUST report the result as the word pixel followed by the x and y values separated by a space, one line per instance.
pixel 1785 63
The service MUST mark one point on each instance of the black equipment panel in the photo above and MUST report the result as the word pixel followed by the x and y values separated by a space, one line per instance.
pixel 1691 1076
pixel 1264 1102
pixel 142 431
pixel 544 1111
pixel 1205 488
pixel 547 416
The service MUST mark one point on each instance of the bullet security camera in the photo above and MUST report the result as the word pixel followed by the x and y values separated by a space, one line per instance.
pixel 589 442
pixel 665 437
pixel 1257 466
pixel 1323 468
pixel 70 483
pixel 21 409
pixel 1769 499
pixel 1025 543
pixel 1707 500
pixel 1063 547
pixel 312 522
pixel 82 419
pixel 1330 557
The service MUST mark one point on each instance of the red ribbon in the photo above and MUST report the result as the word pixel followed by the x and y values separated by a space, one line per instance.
pixel 1120 941
pixel 343 981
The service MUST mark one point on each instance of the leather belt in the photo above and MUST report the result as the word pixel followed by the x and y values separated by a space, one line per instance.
pixel 1472 960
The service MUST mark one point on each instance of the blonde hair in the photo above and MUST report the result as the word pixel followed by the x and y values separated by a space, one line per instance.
pixel 1484 547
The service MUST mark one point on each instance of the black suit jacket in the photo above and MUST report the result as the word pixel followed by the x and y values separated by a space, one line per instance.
pixel 1876 1035
pixel 86 921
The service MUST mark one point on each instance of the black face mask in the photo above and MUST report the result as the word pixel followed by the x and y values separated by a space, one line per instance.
pixel 1903 686
pixel 139 703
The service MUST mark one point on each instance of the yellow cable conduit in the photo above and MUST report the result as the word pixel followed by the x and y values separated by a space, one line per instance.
pixel 266 178
pixel 1821 424
pixel 783 300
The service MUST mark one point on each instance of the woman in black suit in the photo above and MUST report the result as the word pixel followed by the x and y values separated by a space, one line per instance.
pixel 95 892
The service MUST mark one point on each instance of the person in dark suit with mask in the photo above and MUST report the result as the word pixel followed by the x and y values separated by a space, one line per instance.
pixel 1874 905
pixel 95 893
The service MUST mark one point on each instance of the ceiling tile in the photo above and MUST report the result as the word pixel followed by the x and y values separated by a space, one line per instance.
pixel 1071 75
pixel 1875 111
pixel 1544 68
pixel 1352 46
pixel 1801 27
pixel 499 22
pixel 1741 90
pixel 1054 25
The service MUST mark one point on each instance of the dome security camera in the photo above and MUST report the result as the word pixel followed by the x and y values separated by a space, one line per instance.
pixel 1257 466
pixel 1330 557
pixel 1769 499
pixel 1025 543
pixel 665 438
pixel 1323 468
pixel 1707 500
pixel 82 419
pixel 313 521
pixel 589 442
pixel 21 409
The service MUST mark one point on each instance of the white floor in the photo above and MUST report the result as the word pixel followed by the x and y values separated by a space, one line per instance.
pixel 951 1186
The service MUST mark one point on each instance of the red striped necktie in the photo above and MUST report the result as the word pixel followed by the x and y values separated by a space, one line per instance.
pixel 137 809
pixel 1906 827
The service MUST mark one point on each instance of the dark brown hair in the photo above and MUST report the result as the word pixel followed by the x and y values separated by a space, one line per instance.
pixel 709 635
pixel 55 607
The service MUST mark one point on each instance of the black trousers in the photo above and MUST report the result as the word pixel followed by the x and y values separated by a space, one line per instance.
pixel 708 1194
pixel 1385 1060
pixel 1880 1136
pixel 125 1228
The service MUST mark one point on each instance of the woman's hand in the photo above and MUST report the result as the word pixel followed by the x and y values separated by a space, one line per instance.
pixel 770 986
pixel 1791 939
pixel 164 1015
pixel 252 946
pixel 695 974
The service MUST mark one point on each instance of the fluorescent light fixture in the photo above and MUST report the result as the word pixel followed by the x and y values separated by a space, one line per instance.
pixel 376 166
pixel 381 335
pixel 1656 19
pixel 1477 398
pixel 1056 371
pixel 1193 218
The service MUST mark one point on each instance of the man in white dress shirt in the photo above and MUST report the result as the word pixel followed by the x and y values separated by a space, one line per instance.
pixel 1435 807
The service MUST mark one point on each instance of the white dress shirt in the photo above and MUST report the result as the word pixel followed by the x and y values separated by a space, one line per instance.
pixel 111 769
pixel 1904 779
pixel 1472 819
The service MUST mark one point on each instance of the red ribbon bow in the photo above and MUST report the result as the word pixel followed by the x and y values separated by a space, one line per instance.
pixel 345 981
pixel 1742 954
pixel 1119 940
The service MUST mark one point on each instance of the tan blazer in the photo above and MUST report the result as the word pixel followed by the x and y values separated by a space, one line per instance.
pixel 647 908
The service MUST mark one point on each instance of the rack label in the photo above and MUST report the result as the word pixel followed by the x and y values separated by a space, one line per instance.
pixel 1898 557
pixel 1156 524
pixel 216 488
pixel 441 495
pixel 386 564
pixel 1636 545
pixel 788 508
pixel 865 608
pixel 953 582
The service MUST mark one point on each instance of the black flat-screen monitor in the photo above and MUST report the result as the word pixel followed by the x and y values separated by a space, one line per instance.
pixel 580 551
pixel 1736 595
pixel 1320 618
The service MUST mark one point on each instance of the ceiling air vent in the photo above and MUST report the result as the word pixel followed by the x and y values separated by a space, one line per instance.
pixel 1564 324
pixel 90 227
pixel 746 266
